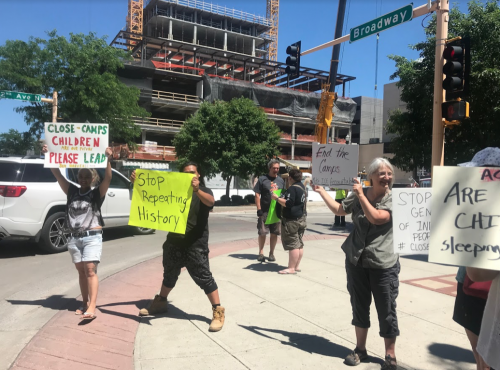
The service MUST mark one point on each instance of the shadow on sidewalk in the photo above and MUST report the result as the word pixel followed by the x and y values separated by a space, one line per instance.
pixel 177 314
pixel 451 352
pixel 258 266
pixel 54 302
pixel 308 343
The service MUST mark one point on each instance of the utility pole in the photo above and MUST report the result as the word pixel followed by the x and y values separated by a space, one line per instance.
pixel 442 12
pixel 52 101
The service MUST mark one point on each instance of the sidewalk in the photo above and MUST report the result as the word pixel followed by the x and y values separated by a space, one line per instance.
pixel 272 321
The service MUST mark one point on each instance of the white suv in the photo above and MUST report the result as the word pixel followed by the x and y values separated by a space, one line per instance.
pixel 32 205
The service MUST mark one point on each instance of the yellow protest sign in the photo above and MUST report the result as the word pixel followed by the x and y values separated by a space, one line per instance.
pixel 161 200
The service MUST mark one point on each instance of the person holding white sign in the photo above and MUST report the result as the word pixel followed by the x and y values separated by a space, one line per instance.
pixel 372 267
pixel 84 221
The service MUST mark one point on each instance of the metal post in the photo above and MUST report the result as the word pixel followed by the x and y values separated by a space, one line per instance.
pixel 336 48
pixel 437 120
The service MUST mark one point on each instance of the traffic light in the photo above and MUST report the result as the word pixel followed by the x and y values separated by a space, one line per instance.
pixel 293 60
pixel 456 80
pixel 455 111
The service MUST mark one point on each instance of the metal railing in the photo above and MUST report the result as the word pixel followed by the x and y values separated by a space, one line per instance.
pixel 163 95
pixel 220 10
pixel 160 122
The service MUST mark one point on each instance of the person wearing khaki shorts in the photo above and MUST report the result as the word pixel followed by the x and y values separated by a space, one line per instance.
pixel 293 221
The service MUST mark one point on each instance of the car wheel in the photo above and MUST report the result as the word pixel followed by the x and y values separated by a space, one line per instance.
pixel 54 238
pixel 144 231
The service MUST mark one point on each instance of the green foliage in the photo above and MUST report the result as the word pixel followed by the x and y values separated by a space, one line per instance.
pixel 15 142
pixel 232 138
pixel 83 70
pixel 412 146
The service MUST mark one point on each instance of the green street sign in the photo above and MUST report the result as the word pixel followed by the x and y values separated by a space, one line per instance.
pixel 394 18
pixel 20 96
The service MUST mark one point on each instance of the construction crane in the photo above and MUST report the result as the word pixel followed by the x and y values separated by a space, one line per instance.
pixel 134 21
pixel 272 13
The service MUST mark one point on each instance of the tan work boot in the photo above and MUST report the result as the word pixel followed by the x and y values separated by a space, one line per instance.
pixel 156 306
pixel 218 319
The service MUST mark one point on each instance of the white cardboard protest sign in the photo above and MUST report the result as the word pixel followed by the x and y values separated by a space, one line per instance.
pixel 76 145
pixel 465 226
pixel 411 217
pixel 334 165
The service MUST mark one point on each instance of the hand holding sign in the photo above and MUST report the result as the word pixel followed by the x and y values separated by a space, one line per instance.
pixel 357 188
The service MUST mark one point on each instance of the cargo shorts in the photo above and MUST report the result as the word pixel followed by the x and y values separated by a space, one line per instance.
pixel 292 233
pixel 264 229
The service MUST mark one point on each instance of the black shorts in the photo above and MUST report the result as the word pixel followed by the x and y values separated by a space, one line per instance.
pixel 384 285
pixel 263 229
pixel 193 255
pixel 468 311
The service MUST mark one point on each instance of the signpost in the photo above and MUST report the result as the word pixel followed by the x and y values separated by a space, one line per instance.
pixel 20 96
pixel 394 18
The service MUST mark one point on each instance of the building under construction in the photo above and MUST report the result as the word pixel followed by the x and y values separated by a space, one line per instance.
pixel 189 51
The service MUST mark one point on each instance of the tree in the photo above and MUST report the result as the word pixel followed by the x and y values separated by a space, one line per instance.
pixel 15 142
pixel 83 70
pixel 413 128
pixel 232 138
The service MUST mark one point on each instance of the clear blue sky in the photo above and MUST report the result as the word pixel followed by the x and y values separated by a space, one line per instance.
pixel 311 21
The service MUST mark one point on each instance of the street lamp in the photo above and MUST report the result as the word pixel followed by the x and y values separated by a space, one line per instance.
pixel 347 138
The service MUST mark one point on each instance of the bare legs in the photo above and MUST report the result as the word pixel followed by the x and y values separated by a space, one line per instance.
pixel 273 239
pixel 89 284
pixel 294 258
pixel 361 335
pixel 473 338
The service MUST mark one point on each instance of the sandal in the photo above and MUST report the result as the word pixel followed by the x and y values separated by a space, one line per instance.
pixel 80 310
pixel 286 272
pixel 88 316
pixel 298 270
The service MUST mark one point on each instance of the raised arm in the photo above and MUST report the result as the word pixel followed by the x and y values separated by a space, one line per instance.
pixel 331 203
pixel 63 183
pixel 108 174
pixel 206 198
pixel 375 216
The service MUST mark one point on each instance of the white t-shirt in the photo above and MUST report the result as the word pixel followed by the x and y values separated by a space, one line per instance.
pixel 488 345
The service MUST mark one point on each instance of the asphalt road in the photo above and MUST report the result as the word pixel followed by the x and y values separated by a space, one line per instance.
pixel 34 285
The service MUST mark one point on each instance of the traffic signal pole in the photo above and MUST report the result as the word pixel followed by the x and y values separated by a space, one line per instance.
pixel 438 128
pixel 334 63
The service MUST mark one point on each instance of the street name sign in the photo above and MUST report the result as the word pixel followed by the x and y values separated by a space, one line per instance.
pixel 20 96
pixel 394 18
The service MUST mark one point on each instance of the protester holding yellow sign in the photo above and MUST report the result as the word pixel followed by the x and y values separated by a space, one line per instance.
pixel 163 199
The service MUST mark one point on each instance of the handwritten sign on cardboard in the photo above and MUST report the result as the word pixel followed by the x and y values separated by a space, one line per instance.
pixel 411 217
pixel 334 165
pixel 465 221
pixel 76 145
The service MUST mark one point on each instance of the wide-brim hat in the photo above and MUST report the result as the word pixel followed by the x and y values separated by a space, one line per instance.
pixel 486 157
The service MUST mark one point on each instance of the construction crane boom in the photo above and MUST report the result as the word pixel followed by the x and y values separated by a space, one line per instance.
pixel 272 13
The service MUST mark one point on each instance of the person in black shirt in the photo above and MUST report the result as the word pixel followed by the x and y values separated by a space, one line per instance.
pixel 191 251
pixel 263 189
pixel 293 220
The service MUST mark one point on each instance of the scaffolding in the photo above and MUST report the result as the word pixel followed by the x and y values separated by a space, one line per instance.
pixel 272 13
pixel 134 21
